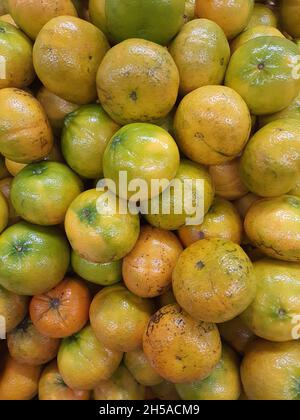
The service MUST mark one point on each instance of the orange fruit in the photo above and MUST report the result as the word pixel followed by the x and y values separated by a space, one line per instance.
pixel 5 187
pixel 141 90
pixel 25 134
pixel 42 192
pixel 77 48
pixel 13 307
pixel 254 32
pixel 141 369
pixel 53 388
pixel 289 17
pixel 63 311
pixel 263 14
pixel 237 334
pixel 212 125
pixel 4 212
pixel 97 236
pixel 36 258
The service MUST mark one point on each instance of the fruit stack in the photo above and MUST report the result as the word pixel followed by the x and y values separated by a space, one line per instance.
pixel 150 200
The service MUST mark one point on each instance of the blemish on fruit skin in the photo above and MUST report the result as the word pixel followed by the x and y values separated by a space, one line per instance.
pixel 200 265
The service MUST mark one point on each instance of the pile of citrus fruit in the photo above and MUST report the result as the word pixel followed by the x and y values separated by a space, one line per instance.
pixel 143 305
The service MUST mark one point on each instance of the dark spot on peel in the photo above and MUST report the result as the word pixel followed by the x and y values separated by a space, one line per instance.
pixel 200 265
pixel 133 96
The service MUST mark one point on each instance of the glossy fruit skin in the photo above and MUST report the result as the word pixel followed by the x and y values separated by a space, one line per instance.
pixel 98 15
pixel 203 130
pixel 179 348
pixel 270 316
pixel 263 15
pixel 159 159
pixel 16 51
pixel 270 371
pixel 100 238
pixel 289 17
pixel 18 381
pixel 42 192
pixel 227 181
pixel 157 21
pixel 236 333
pixel 232 16
pixel 213 280
pixel 147 269
pixel 169 220
pixel 249 70
pixel 141 369
pixel 201 53
pixel 292 111
pixel 105 274
pixel 145 83
pixel 25 133
pixel 13 307
pixel 28 346
pixel 86 134
pixel 252 33
pixel 269 165
pixel 63 311
pixel 8 19
pixel 55 107
pixel 267 223
pixel 121 386
pixel 33 258
pixel 223 383
pixel 221 221
pixel 53 388
pixel 5 187
pixel 83 361
pixel 32 15
pixel 115 305
pixel 77 48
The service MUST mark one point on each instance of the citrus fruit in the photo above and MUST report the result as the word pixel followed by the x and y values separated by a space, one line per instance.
pixel 263 15
pixel 292 111
pixel 14 167
pixel 213 280
pixel 83 361
pixel 32 15
pixel 53 388
pixel 85 136
pixel 18 381
pixel 8 19
pixel 289 17
pixel 33 258
pixel 212 125
pixel 25 133
pixel 179 348
pixel 269 165
pixel 243 204
pixel 13 307
pixel 145 82
pixel 223 383
pixel 98 236
pixel 165 391
pixel 141 369
pixel 254 32
pixel 27 345
pixel 262 72
pixel 121 386
pixel 42 192
pixel 156 21
pixel 5 187
pixel 267 223
pixel 277 300
pixel 98 14
pixel 233 16
pixel 221 221
pixel 227 181
pixel 141 151
pixel 201 53
pixel 4 212
pixel 77 48
pixel 128 313
pixel 16 68
pixel 62 311
pixel 189 10
pixel 55 107
pixel 237 334
pixel 271 371
pixel 105 274
pixel 147 269
pixel 186 200
pixel 4 172
pixel 166 298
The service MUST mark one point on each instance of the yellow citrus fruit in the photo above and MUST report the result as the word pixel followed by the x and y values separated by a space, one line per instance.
pixel 77 48
pixel 145 83
pixel 212 125
pixel 290 17
pixel 4 212
pixel 252 33
pixel 263 15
